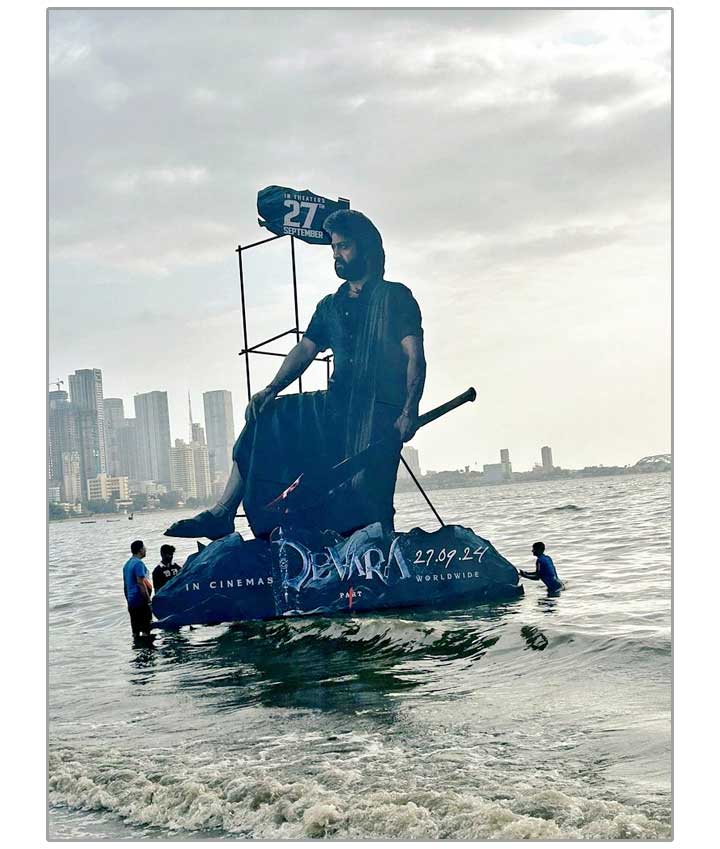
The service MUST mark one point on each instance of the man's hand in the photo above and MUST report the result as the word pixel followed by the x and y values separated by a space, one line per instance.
pixel 145 588
pixel 259 401
pixel 406 425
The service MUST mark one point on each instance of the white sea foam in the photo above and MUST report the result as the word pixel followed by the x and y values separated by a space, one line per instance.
pixel 241 799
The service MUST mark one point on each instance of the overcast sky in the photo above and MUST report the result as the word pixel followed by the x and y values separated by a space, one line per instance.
pixel 517 164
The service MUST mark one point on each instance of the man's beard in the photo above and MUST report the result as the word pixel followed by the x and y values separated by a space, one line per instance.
pixel 353 270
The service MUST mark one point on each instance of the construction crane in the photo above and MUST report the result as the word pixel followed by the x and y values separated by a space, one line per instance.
pixel 57 384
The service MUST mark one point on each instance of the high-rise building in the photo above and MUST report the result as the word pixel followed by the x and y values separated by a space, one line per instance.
pixel 73 431
pixel 220 430
pixel 198 433
pixel 203 481
pixel 53 464
pixel 200 457
pixel 153 430
pixel 189 469
pixel 505 463
pixel 72 488
pixel 412 458
pixel 86 394
pixel 89 427
pixel 547 461
pixel 182 469
pixel 63 434
pixel 127 449
pixel 114 419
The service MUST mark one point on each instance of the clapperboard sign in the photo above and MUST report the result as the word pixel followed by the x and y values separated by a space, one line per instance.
pixel 289 212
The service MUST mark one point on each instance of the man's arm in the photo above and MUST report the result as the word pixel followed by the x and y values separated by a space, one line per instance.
pixel 294 364
pixel 533 576
pixel 145 586
pixel 407 420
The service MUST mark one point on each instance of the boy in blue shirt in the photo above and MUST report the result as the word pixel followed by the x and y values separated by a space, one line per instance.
pixel 136 580
pixel 544 569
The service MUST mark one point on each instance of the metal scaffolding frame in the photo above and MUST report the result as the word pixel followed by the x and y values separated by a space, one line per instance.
pixel 257 348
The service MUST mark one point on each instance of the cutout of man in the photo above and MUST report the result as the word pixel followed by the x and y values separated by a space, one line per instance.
pixel 374 328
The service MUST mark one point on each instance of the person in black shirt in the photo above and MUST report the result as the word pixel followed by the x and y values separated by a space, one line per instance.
pixel 374 328
pixel 165 569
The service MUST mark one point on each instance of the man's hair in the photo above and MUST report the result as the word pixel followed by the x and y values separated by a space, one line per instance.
pixel 137 546
pixel 354 225
pixel 166 549
pixel 540 545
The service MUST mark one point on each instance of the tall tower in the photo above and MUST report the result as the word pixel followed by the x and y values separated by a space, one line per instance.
pixel 189 469
pixel 114 420
pixel 128 450
pixel 202 469
pixel 86 394
pixel 92 438
pixel 412 458
pixel 182 469
pixel 197 432
pixel 547 461
pixel 219 429
pixel 72 488
pixel 64 439
pixel 153 432
pixel 505 463
pixel 190 418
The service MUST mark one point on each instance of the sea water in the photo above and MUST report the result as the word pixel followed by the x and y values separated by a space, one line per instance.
pixel 542 718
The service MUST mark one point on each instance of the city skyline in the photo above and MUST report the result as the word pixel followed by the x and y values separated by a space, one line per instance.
pixel 532 223
pixel 93 448
pixel 543 459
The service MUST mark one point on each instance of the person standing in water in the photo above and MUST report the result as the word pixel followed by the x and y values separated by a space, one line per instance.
pixel 166 568
pixel 544 569
pixel 136 580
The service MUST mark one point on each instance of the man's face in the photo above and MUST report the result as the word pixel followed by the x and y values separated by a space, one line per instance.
pixel 349 265
pixel 167 557
pixel 536 552
pixel 142 553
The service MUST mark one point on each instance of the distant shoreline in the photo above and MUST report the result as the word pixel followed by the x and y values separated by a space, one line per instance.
pixel 469 480
pixel 402 488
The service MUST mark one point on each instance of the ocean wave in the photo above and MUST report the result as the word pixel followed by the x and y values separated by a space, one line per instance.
pixel 161 790
pixel 348 667
pixel 462 635
pixel 380 637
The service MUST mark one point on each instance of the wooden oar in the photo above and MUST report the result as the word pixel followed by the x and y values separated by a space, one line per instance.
pixel 329 479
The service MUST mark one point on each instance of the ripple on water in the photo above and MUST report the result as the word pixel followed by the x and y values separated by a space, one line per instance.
pixel 403 724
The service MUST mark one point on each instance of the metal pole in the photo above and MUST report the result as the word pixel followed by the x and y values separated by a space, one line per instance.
pixel 424 494
pixel 295 295
pixel 244 320
pixel 262 242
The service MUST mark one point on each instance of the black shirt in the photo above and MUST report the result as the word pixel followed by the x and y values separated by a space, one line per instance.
pixel 336 322
pixel 162 574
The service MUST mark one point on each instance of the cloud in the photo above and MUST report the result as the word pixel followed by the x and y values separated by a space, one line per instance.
pixel 491 145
